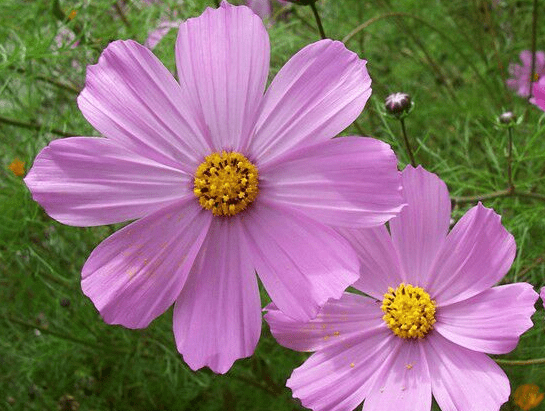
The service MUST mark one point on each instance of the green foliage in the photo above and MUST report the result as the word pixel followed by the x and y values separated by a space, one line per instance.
pixel 452 57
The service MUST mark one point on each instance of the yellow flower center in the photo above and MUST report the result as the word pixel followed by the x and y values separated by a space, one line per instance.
pixel 527 396
pixel 409 311
pixel 226 183
pixel 535 77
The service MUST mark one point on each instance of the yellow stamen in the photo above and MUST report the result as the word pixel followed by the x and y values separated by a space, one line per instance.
pixel 72 14
pixel 527 396
pixel 535 77
pixel 409 311
pixel 226 183
pixel 17 167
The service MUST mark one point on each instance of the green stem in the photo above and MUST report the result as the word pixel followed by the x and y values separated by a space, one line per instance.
pixel 407 144
pixel 533 361
pixel 535 263
pixel 301 19
pixel 61 335
pixel 121 15
pixel 46 79
pixel 34 126
pixel 467 61
pixel 534 35
pixel 510 184
pixel 508 192
pixel 318 20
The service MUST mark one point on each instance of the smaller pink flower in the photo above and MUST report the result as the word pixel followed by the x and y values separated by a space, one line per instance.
pixel 538 92
pixel 65 37
pixel 427 319
pixel 521 75
pixel 156 35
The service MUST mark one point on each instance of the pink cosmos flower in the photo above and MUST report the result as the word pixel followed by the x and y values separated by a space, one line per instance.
pixel 538 93
pixel 521 75
pixel 224 180
pixel 428 319
pixel 157 34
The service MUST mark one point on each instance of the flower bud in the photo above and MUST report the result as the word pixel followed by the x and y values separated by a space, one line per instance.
pixel 508 118
pixel 398 104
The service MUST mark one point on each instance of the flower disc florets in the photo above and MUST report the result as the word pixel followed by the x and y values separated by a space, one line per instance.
pixel 409 311
pixel 226 183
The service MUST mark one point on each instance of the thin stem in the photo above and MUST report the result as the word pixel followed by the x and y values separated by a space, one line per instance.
pixel 481 197
pixel 301 19
pixel 534 35
pixel 121 15
pixel 60 335
pixel 406 138
pixel 318 21
pixel 359 128
pixel 435 67
pixel 34 126
pixel 510 184
pixel 255 384
pixel 49 80
pixel 508 192
pixel 467 60
pixel 524 271
pixel 533 361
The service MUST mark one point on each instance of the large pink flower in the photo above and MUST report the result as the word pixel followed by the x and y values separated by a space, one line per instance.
pixel 521 74
pixel 224 180
pixel 428 319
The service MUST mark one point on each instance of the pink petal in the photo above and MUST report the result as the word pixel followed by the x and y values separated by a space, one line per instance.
pixel 136 274
pixel 420 230
pixel 540 63
pixel 380 267
pixel 538 92
pixel 477 253
pixel 348 181
pixel 542 296
pixel 301 262
pixel 462 379
pixel 87 181
pixel 405 384
pixel 223 62
pixel 491 321
pixel 156 35
pixel 339 377
pixel 338 321
pixel 526 57
pixel 217 317
pixel 318 93
pixel 130 97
